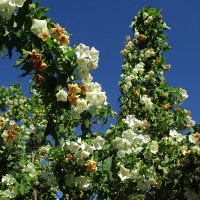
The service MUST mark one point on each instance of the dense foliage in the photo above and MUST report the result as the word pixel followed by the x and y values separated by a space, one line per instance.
pixel 50 142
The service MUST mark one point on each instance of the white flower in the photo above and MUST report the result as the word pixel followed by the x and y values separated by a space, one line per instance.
pixel 93 64
pixel 124 173
pixel 133 122
pixel 38 26
pixel 93 54
pixel 81 105
pixel 134 174
pixel 176 135
pixel 137 34
pixel 82 51
pixel 143 185
pixel 30 166
pixel 83 73
pixel 121 144
pixel 9 179
pixel 83 62
pixel 184 94
pixel 98 142
pixel 149 53
pixel 32 173
pixel 196 149
pixel 194 138
pixel 62 95
pixel 154 147
pixel 145 14
pixel 129 135
pixel 94 86
pixel 96 98
pixel 147 101
pixel 6 9
pixel 122 153
pixel 165 26
pixel 87 79
pixel 137 150
pixel 130 45
pixel 18 3
pixel 73 147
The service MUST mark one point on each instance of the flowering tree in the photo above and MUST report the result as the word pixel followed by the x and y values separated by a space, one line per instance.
pixel 151 153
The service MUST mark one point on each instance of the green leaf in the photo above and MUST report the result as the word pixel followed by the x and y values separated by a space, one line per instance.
pixel 70 53
pixel 87 123
pixel 107 167
pixel 153 11
pixel 23 187
pixel 2 49
pixel 21 58
pixel 34 5
pixel 6 31
pixel 42 11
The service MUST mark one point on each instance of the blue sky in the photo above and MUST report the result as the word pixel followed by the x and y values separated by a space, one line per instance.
pixel 105 24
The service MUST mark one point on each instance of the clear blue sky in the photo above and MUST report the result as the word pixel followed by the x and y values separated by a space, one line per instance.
pixel 105 24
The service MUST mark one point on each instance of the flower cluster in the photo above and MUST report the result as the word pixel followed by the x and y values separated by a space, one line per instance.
pixel 82 97
pixel 82 150
pixel 87 59
pixel 130 142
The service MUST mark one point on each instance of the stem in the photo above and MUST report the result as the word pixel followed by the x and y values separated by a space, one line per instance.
pixel 34 190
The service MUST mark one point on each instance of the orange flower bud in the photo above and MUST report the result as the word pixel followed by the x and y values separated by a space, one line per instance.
pixel 63 40
pixel 186 126
pixel 83 89
pixel 142 38
pixel 73 99
pixel 57 31
pixel 136 94
pixel 167 67
pixel 166 106
pixel 38 79
pixel 35 56
pixel 91 166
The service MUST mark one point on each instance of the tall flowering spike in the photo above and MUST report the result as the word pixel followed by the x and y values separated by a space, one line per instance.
pixel 153 136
